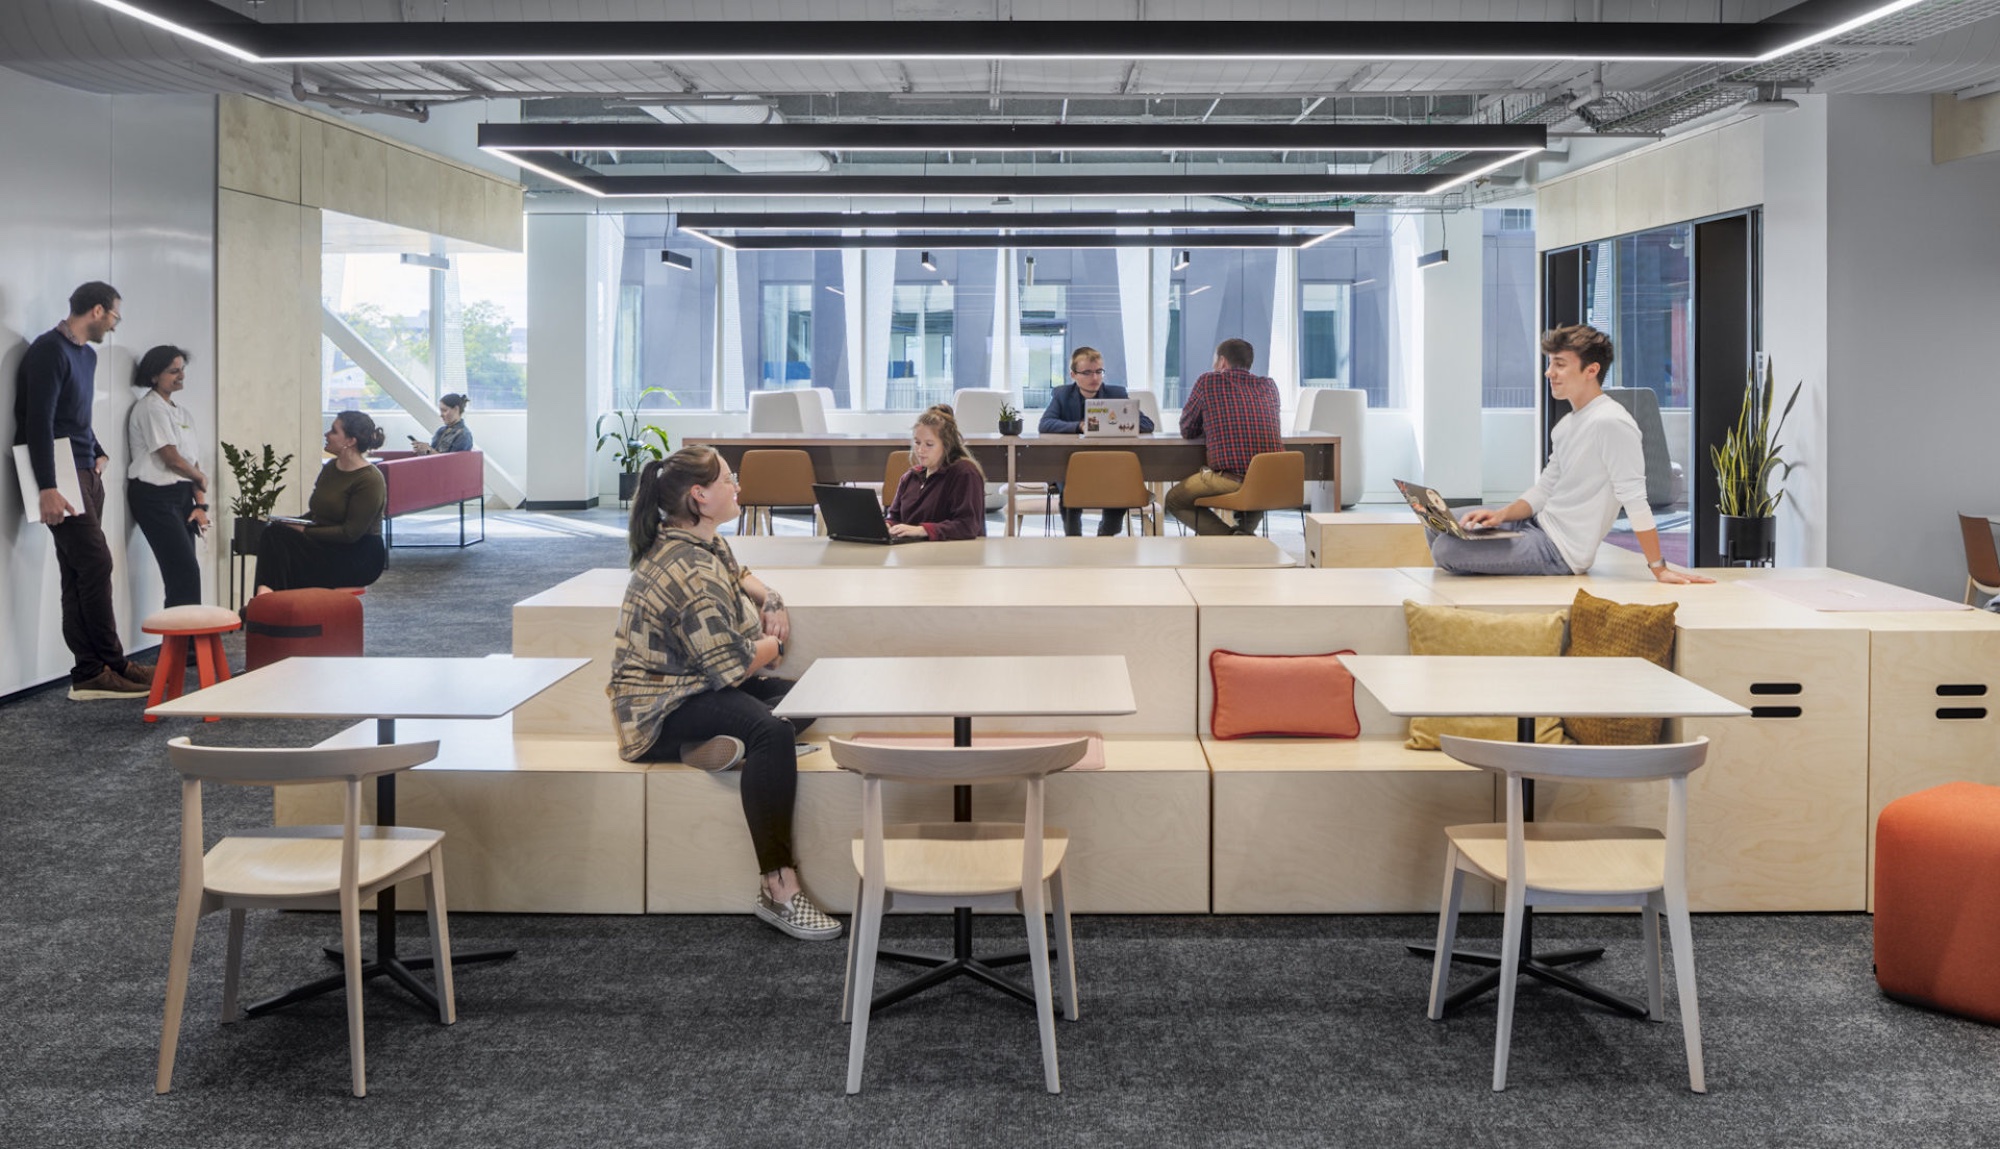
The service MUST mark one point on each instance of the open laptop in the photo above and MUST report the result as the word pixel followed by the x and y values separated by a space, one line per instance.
pixel 1110 418
pixel 1436 514
pixel 854 515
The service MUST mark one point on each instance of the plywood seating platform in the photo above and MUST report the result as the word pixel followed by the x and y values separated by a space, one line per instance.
pixel 1138 831
pixel 1366 539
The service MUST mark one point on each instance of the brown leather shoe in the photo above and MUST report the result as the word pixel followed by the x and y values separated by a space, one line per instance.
pixel 108 684
pixel 139 672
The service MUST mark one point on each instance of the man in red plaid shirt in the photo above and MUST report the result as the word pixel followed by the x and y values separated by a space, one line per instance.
pixel 1237 412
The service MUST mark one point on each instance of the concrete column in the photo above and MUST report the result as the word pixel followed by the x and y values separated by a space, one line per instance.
pixel 573 265
pixel 1449 384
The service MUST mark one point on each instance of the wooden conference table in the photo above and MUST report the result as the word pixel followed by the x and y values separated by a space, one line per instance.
pixel 1527 687
pixel 384 689
pixel 1214 551
pixel 961 688
pixel 1013 459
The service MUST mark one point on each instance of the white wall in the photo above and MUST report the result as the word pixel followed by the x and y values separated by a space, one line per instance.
pixel 1449 393
pixel 1913 337
pixel 573 273
pixel 1795 316
pixel 120 189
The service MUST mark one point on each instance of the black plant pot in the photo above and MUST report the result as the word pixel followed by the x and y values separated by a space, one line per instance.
pixel 628 484
pixel 245 534
pixel 1747 541
pixel 1010 426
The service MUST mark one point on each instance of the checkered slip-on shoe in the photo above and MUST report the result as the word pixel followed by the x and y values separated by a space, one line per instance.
pixel 798 917
pixel 718 753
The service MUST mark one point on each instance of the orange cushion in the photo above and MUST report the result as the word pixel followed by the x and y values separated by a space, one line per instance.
pixel 1937 899
pixel 1300 695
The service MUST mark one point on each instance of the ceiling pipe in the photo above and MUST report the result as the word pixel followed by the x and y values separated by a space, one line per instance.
pixel 305 95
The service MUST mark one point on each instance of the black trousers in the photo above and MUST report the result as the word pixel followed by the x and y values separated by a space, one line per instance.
pixel 287 560
pixel 83 559
pixel 770 764
pixel 1109 522
pixel 162 514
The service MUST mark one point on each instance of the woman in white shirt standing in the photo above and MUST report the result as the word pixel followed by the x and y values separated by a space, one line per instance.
pixel 165 486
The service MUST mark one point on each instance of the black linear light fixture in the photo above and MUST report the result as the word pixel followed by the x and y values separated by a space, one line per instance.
pixel 927 262
pixel 1018 221
pixel 1176 185
pixel 677 260
pixel 654 136
pixel 934 241
pixel 319 42
pixel 1183 259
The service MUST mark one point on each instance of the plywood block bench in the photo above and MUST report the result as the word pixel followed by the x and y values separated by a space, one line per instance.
pixel 1366 539
pixel 1138 831
pixel 1145 615
pixel 531 825
pixel 1308 825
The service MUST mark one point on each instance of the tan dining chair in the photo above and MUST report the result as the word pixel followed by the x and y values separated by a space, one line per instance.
pixel 1275 481
pixel 1576 864
pixel 298 868
pixel 1982 562
pixel 768 479
pixel 892 475
pixel 946 865
pixel 1108 480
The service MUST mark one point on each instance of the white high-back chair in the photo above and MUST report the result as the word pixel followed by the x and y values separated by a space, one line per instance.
pixel 1576 864
pixel 298 868
pixel 1341 411
pixel 945 865
pixel 977 411
pixel 789 412
pixel 1149 403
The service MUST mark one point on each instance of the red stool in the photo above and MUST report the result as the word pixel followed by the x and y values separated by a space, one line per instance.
pixel 1937 899
pixel 177 626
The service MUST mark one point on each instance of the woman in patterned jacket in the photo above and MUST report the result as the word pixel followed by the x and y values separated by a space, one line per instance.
pixel 696 635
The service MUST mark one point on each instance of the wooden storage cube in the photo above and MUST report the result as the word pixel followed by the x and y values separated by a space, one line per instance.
pixel 576 618
pixel 1138 831
pixel 1776 818
pixel 1366 539
pixel 1934 714
pixel 1315 826
pixel 531 826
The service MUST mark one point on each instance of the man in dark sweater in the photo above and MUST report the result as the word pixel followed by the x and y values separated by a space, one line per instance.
pixel 54 390
pixel 1065 417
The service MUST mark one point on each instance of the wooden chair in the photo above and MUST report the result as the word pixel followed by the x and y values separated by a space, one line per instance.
pixel 1576 864
pixel 1982 562
pixel 1276 481
pixel 770 479
pixel 892 474
pixel 1108 480
pixel 298 868
pixel 945 865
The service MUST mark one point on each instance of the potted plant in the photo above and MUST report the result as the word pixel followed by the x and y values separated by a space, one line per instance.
pixel 259 480
pixel 1746 464
pixel 633 443
pixel 1010 419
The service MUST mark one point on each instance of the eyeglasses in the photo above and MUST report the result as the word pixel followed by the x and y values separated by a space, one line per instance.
pixel 1092 371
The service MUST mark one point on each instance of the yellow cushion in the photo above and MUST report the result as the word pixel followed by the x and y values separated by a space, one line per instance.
pixel 1457 630
pixel 1600 628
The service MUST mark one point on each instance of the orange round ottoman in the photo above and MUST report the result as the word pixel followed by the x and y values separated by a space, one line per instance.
pixel 1937 899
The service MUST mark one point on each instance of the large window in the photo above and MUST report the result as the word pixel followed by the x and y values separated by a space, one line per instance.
pixel 1346 302
pixel 922 342
pixel 1325 321
pixel 458 327
pixel 387 303
pixel 666 330
pixel 1640 291
pixel 785 337
pixel 1067 300
pixel 791 324
pixel 1220 294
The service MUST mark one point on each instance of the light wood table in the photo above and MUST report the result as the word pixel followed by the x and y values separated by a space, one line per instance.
pixel 384 689
pixel 1013 459
pixel 1526 687
pixel 961 689
pixel 779 552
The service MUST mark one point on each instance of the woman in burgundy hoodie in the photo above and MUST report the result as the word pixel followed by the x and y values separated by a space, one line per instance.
pixel 943 495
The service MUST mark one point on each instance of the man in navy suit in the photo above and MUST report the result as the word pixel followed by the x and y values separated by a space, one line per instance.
pixel 1065 417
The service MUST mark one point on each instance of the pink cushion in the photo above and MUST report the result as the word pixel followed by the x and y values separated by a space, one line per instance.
pixel 1300 695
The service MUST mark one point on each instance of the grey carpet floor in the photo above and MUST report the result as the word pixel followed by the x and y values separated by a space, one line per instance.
pixel 613 1031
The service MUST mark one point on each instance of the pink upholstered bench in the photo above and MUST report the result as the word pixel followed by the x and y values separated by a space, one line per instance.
pixel 423 482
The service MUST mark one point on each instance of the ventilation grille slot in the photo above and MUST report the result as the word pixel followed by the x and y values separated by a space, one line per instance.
pixel 1776 688
pixel 1775 712
pixel 1960 713
pixel 1962 690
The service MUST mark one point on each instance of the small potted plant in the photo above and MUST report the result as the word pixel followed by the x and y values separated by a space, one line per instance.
pixel 1746 464
pixel 259 480
pixel 1010 419
pixel 633 443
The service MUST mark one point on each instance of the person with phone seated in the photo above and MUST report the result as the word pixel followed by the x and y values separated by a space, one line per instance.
pixel 1064 416
pixel 697 635
pixel 339 542
pixel 453 434
pixel 943 494
pixel 1595 467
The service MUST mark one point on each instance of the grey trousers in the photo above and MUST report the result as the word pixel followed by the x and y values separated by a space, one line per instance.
pixel 1529 552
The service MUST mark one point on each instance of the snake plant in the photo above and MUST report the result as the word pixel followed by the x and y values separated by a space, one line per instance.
pixel 1749 459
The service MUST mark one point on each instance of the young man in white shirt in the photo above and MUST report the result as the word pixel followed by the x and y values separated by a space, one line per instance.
pixel 1595 467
